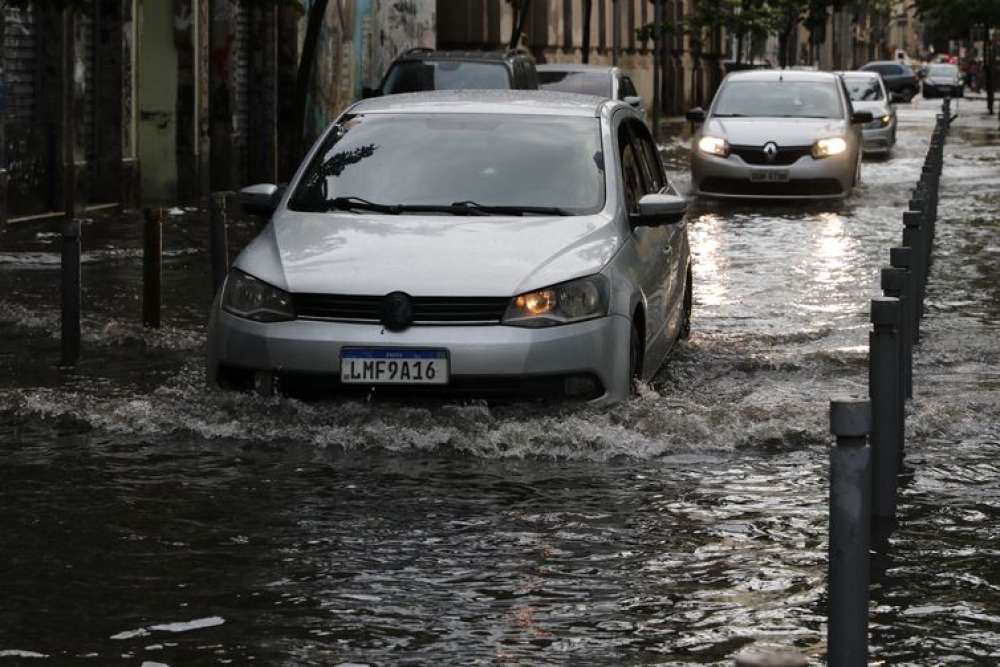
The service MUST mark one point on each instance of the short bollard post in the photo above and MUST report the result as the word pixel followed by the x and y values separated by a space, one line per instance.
pixel 757 657
pixel 217 242
pixel 901 257
pixel 850 533
pixel 887 404
pixel 895 284
pixel 71 284
pixel 152 266
pixel 914 237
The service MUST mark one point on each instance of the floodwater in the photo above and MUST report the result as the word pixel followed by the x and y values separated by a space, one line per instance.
pixel 147 521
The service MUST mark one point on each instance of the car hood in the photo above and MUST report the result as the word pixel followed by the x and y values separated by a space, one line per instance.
pixel 877 107
pixel 340 253
pixel 782 131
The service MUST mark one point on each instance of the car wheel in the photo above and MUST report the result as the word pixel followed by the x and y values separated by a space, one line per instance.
pixel 634 357
pixel 909 92
pixel 685 331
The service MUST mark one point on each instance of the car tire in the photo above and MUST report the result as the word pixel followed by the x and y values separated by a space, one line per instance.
pixel 634 357
pixel 908 93
pixel 685 331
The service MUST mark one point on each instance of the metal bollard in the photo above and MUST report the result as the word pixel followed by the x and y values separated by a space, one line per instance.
pixel 885 388
pixel 217 242
pixel 756 657
pixel 902 258
pixel 850 533
pixel 895 283
pixel 914 236
pixel 71 298
pixel 152 266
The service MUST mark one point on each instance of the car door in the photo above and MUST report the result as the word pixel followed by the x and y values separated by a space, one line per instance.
pixel 674 250
pixel 652 243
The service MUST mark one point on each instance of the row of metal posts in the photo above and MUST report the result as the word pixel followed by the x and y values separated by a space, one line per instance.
pixel 152 271
pixel 866 461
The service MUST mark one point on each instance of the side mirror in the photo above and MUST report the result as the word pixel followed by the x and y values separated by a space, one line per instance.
pixel 660 209
pixel 696 115
pixel 367 92
pixel 633 101
pixel 260 199
pixel 862 117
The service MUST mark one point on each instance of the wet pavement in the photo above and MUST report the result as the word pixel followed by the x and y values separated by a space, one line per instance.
pixel 147 520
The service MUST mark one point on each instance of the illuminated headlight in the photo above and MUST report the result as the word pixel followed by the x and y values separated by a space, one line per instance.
pixel 714 146
pixel 882 121
pixel 827 147
pixel 245 296
pixel 574 301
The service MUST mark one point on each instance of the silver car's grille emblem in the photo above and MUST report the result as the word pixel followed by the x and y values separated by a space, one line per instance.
pixel 770 151
pixel 397 311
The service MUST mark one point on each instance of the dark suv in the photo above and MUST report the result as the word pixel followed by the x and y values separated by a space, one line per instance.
pixel 426 69
pixel 900 80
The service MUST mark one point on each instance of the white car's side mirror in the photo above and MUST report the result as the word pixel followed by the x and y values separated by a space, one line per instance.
pixel 260 199
pixel 660 209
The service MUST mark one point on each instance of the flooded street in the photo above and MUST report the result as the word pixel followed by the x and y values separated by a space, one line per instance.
pixel 147 519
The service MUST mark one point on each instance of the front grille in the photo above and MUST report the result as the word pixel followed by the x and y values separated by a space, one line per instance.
pixel 805 187
pixel 426 309
pixel 785 156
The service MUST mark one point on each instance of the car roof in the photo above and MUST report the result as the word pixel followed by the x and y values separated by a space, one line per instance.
pixel 575 67
pixel 860 74
pixel 780 75
pixel 523 102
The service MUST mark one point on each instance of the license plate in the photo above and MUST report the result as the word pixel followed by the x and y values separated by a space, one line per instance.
pixel 769 176
pixel 375 366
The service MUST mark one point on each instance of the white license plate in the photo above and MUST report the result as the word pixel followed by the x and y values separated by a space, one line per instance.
pixel 385 366
pixel 769 176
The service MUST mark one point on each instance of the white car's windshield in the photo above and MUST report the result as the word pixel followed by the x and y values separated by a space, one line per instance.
pixel 863 88
pixel 395 162
pixel 414 76
pixel 778 99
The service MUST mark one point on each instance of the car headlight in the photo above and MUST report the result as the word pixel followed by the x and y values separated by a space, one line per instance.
pixel 827 147
pixel 573 301
pixel 246 296
pixel 714 146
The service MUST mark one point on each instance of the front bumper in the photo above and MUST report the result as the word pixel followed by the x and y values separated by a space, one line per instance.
pixel 495 353
pixel 729 177
pixel 941 90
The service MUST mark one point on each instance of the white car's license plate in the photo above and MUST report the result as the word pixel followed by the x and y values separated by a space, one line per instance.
pixel 769 176
pixel 393 366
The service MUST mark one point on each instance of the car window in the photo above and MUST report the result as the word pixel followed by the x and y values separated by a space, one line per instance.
pixel 585 83
pixel 412 76
pixel 778 99
pixel 652 167
pixel 942 70
pixel 627 88
pixel 440 159
pixel 863 88
pixel 631 177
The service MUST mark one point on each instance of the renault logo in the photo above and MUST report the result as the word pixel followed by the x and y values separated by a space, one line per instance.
pixel 770 151
pixel 397 311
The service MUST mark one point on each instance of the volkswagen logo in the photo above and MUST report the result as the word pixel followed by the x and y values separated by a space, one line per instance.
pixel 770 151
pixel 397 311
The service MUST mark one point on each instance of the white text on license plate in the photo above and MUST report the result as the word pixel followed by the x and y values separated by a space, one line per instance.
pixel 769 176
pixel 374 366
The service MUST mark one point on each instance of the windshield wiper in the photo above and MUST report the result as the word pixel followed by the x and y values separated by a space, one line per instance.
pixel 488 209
pixel 359 204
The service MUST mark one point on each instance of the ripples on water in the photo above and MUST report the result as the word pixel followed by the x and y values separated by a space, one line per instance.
pixel 148 519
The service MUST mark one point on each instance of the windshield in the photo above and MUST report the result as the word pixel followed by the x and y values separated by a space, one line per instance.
pixel 585 83
pixel 441 159
pixel 411 76
pixel 942 71
pixel 778 99
pixel 863 88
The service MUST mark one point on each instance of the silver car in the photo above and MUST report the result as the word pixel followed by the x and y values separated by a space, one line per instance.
pixel 463 241
pixel 778 134
pixel 601 80
pixel 868 93
pixel 943 80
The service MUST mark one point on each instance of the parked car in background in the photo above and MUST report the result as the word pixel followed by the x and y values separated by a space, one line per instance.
pixel 423 69
pixel 600 80
pixel 943 80
pixel 463 241
pixel 900 79
pixel 868 93
pixel 778 134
